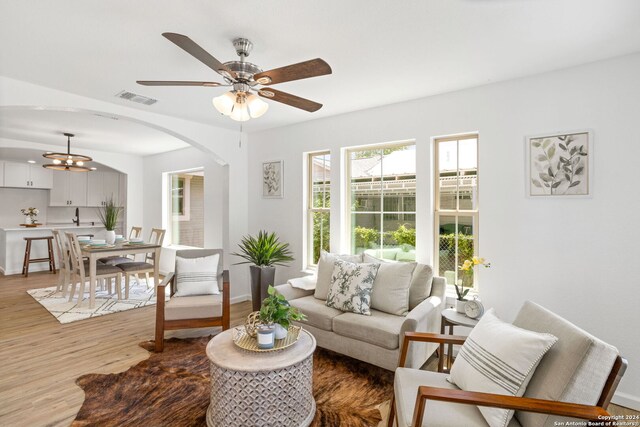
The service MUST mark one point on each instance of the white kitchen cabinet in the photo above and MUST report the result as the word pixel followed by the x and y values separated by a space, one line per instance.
pixel 22 175
pixel 102 187
pixel 69 189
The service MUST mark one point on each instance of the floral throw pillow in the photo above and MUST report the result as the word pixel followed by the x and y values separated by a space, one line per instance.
pixel 351 286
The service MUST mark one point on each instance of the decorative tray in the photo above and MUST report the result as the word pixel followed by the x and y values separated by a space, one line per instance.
pixel 30 225
pixel 246 342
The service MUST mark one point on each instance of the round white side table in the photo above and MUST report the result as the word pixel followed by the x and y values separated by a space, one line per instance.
pixel 451 318
pixel 260 389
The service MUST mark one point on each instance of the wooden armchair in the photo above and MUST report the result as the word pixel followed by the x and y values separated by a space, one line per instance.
pixel 193 311
pixel 590 382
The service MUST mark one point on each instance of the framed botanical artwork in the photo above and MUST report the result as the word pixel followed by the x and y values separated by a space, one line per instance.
pixel 273 179
pixel 559 164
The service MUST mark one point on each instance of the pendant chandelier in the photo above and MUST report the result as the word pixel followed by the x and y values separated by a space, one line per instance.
pixel 67 161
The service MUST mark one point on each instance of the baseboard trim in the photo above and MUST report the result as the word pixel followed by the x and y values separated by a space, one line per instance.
pixel 240 298
pixel 626 400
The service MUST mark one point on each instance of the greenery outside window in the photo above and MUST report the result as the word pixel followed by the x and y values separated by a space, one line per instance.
pixel 382 200
pixel 456 206
pixel 319 205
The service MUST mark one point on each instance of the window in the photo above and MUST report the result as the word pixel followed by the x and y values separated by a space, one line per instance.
pixel 319 204
pixel 382 201
pixel 456 205
pixel 185 213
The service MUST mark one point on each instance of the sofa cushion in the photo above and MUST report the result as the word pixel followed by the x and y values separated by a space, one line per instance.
pixel 421 283
pixel 325 271
pixel 318 314
pixel 391 288
pixel 500 358
pixel 574 370
pixel 351 286
pixel 193 307
pixel 381 329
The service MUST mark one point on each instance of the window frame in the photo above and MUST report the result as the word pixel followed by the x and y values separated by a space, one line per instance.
pixel 310 209
pixel 474 214
pixel 186 197
pixel 347 238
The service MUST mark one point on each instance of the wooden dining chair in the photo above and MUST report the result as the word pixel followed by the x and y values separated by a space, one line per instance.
pixel 64 271
pixel 79 267
pixel 117 259
pixel 145 267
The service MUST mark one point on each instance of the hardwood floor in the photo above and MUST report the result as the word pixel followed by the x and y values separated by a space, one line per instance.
pixel 40 358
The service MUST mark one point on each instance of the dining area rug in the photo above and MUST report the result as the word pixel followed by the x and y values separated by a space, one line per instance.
pixel 66 312
pixel 172 388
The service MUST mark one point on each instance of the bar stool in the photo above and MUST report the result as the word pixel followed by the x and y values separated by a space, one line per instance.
pixel 27 255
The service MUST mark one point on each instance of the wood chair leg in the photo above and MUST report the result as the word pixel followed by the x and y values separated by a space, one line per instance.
pixel 81 292
pixel 72 290
pixel 118 286
pixel 27 256
pixel 159 341
pixel 52 260
pixel 392 411
pixel 66 281
pixel 126 285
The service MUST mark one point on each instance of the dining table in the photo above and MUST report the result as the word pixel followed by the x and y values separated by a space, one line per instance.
pixel 124 248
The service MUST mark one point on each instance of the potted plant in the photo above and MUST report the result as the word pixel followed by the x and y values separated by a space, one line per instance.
pixel 467 276
pixel 264 251
pixel 109 215
pixel 277 311
pixel 30 215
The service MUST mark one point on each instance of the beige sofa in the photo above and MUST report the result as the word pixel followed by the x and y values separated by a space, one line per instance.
pixel 374 339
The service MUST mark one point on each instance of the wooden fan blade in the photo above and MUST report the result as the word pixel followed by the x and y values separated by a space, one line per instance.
pixel 303 70
pixel 192 48
pixel 287 98
pixel 176 83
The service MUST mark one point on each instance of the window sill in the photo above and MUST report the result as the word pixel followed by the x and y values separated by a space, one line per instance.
pixel 310 271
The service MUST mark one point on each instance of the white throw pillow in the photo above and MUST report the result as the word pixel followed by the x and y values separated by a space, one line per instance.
pixel 391 288
pixel 351 286
pixel 197 276
pixel 421 281
pixel 499 358
pixel 325 271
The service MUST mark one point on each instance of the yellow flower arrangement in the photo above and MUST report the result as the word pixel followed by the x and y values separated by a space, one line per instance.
pixel 467 269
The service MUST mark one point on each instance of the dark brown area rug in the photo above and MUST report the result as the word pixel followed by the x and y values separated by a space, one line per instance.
pixel 172 389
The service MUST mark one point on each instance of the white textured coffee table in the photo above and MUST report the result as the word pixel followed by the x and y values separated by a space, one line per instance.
pixel 261 389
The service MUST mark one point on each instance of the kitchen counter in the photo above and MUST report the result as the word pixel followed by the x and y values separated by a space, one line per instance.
pixel 12 244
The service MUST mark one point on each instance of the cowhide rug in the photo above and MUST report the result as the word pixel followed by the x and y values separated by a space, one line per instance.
pixel 172 389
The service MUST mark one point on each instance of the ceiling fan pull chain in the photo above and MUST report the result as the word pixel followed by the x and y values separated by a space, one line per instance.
pixel 240 138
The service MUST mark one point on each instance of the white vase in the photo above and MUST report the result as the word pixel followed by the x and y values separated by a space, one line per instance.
pixel 281 332
pixel 460 305
pixel 111 237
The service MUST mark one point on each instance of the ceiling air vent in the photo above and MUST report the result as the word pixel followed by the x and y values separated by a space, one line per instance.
pixel 129 96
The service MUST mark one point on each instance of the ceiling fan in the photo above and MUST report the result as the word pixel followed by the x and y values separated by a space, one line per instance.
pixel 241 103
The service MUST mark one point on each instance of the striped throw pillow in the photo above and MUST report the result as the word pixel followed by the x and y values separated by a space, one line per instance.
pixel 499 358
pixel 197 276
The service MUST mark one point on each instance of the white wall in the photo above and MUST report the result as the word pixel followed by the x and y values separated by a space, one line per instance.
pixel 577 257
pixel 217 229
pixel 14 199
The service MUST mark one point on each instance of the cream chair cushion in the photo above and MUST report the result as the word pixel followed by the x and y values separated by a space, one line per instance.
pixel 437 414
pixel 193 307
pixel 197 276
pixel 499 358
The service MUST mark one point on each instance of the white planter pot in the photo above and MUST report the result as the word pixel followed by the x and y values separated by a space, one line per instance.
pixel 281 332
pixel 460 306
pixel 111 237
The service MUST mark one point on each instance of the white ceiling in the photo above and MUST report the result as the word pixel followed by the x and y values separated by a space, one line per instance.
pixel 381 52
pixel 24 155
pixel 92 131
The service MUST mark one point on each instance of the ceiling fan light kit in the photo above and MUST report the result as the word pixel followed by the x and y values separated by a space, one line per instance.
pixel 67 161
pixel 243 101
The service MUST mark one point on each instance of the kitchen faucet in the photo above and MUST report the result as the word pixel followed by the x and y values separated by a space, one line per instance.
pixel 76 219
